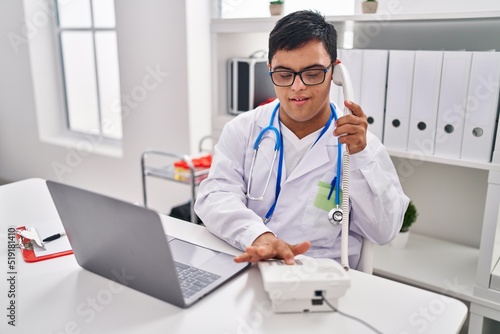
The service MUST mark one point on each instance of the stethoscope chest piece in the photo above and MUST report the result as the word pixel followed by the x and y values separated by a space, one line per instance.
pixel 335 216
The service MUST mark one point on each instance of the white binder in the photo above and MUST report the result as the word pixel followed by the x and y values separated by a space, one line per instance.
pixel 399 91
pixel 482 104
pixel 424 101
pixel 372 92
pixel 452 102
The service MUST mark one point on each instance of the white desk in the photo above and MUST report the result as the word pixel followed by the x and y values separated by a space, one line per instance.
pixel 57 296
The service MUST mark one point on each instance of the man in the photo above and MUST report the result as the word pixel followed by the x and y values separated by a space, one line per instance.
pixel 287 215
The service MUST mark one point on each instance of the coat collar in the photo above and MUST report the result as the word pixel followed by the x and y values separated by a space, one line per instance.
pixel 324 152
pixel 320 154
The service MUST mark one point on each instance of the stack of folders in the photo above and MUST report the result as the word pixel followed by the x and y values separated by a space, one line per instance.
pixel 368 72
pixel 442 103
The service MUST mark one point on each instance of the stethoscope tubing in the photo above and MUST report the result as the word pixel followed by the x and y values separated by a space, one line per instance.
pixel 278 147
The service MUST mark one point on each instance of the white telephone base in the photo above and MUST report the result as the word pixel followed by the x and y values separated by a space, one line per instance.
pixel 301 287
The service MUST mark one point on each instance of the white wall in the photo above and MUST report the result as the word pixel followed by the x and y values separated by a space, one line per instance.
pixel 439 6
pixel 151 34
pixel 198 52
pixel 260 8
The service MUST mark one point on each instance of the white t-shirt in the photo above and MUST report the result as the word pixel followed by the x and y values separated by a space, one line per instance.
pixel 296 148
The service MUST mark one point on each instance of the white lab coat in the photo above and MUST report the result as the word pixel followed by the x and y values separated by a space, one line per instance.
pixel 376 197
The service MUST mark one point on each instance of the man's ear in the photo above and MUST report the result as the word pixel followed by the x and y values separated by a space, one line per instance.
pixel 336 62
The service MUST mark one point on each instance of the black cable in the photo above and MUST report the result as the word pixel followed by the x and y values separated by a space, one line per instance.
pixel 351 317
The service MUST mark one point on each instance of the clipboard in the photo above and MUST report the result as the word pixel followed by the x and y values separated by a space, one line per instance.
pixel 26 246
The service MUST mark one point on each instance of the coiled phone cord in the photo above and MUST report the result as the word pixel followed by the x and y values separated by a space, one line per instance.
pixel 344 256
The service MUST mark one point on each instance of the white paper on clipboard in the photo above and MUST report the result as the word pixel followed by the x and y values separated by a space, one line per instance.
pixel 46 229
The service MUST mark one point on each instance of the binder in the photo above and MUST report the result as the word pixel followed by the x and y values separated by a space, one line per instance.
pixel 424 101
pixel 452 102
pixel 372 91
pixel 482 106
pixel 399 95
pixel 27 247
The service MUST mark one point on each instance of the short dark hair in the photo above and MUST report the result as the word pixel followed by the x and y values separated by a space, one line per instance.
pixel 298 28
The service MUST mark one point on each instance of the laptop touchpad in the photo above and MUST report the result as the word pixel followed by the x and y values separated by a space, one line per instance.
pixel 188 253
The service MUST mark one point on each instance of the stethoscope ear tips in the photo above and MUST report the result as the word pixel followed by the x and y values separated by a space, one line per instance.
pixel 335 216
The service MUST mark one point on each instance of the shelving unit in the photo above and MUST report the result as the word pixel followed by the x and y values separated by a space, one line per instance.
pixel 433 263
pixel 266 24
pixel 453 265
pixel 446 161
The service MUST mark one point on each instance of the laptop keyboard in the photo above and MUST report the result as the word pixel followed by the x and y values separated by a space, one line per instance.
pixel 193 279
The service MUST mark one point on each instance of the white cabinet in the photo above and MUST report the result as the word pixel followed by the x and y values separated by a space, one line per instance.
pixel 436 258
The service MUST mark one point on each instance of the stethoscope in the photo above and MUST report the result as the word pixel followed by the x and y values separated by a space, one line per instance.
pixel 335 215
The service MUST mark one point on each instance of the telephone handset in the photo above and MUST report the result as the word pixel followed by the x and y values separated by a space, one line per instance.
pixel 341 78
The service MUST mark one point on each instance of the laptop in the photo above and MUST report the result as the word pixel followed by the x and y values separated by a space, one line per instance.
pixel 127 243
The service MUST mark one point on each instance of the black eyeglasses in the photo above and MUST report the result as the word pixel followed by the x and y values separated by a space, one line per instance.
pixel 313 77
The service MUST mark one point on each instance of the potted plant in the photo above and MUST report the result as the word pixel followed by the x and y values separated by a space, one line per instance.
pixel 409 218
pixel 276 7
pixel 369 6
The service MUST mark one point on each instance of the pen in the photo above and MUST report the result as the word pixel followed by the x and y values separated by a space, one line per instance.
pixel 53 237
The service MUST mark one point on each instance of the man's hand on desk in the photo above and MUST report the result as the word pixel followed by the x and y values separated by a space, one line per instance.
pixel 267 246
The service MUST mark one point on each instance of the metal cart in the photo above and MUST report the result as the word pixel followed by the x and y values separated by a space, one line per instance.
pixel 168 172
